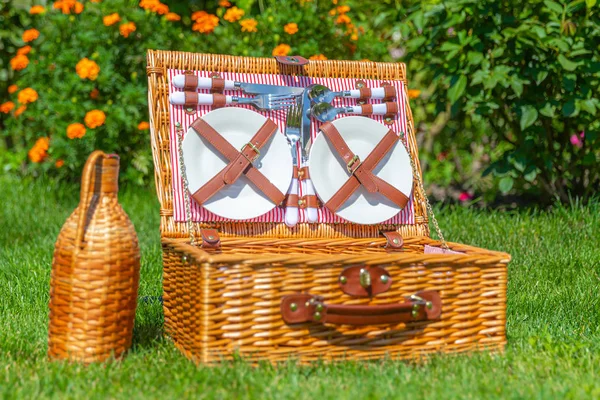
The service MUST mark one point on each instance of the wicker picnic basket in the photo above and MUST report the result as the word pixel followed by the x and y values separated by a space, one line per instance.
pixel 316 291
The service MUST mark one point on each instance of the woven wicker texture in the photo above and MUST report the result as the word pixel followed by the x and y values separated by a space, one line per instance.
pixel 224 302
pixel 95 272
pixel 160 61
pixel 217 305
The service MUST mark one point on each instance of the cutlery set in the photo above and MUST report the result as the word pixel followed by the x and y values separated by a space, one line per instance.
pixel 302 104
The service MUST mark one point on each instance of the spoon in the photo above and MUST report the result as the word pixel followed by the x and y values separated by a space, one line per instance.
pixel 322 94
pixel 325 112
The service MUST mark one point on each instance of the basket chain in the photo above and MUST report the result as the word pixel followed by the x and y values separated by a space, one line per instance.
pixel 186 197
pixel 427 204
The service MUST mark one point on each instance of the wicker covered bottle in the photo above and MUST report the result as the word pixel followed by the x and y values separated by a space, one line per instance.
pixel 95 271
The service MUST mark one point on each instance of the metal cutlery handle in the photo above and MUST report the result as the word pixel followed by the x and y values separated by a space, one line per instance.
pixel 192 99
pixel 371 93
pixel 193 82
pixel 373 109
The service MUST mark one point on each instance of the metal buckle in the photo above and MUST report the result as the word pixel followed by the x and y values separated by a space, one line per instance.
pixel 351 163
pixel 253 147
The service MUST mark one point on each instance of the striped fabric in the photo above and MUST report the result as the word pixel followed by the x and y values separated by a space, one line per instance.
pixel 177 114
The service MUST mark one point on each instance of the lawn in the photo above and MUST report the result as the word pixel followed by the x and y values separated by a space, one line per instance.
pixel 553 320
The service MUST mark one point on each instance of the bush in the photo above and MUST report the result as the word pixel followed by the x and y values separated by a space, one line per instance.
pixel 518 78
pixel 84 85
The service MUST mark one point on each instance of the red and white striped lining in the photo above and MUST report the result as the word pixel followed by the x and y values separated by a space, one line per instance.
pixel 178 114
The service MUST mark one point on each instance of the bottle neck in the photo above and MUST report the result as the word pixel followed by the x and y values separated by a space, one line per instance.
pixel 106 178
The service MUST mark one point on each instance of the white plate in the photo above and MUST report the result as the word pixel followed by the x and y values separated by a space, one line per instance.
pixel 241 200
pixel 328 171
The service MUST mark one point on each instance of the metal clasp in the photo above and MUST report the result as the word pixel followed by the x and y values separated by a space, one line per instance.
pixel 364 278
pixel 253 147
pixel 355 161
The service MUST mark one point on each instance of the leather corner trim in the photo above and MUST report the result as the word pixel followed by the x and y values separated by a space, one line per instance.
pixel 210 238
pixel 291 60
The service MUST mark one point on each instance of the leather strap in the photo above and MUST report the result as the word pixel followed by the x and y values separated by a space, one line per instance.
pixel 291 200
pixel 309 201
pixel 218 84
pixel 394 240
pixel 295 173
pixel 366 109
pixel 240 162
pixel 301 308
pixel 362 172
pixel 389 92
pixel 210 238
pixel 191 99
pixel 190 83
pixel 365 93
pixel 303 174
pixel 219 100
pixel 391 107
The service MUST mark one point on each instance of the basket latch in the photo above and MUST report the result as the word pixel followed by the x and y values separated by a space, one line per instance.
pixel 364 281
pixel 394 240
pixel 210 238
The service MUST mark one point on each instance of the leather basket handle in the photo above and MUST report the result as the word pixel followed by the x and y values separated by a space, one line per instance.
pixel 302 308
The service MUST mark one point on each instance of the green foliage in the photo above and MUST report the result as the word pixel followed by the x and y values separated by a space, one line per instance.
pixel 65 98
pixel 525 73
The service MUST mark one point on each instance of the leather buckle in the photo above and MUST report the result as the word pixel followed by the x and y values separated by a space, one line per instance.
pixel 353 164
pixel 254 148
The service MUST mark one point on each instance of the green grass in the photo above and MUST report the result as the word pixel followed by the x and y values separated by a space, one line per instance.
pixel 553 320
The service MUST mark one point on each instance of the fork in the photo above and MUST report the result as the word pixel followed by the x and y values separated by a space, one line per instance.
pixel 292 133
pixel 260 102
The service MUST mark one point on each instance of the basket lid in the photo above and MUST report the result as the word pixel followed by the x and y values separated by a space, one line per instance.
pixel 161 65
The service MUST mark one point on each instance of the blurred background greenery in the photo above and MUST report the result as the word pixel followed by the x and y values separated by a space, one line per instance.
pixel 504 93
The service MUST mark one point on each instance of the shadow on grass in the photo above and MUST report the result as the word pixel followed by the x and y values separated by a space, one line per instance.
pixel 149 323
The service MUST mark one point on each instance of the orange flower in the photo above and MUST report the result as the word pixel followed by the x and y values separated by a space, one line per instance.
pixel 249 25
pixel 37 10
pixel 66 6
pixel 94 94
pixel 24 50
pixel 172 17
pixel 95 1
pixel 27 95
pixel 94 118
pixel 343 19
pixel 154 6
pixel 142 126
pixel 281 50
pixel 39 151
pixel 127 28
pixel 30 35
pixel 87 69
pixel 162 9
pixel 20 110
pixel 224 3
pixel 233 14
pixel 318 57
pixel 19 62
pixel 413 93
pixel 7 107
pixel 196 15
pixel 332 12
pixel 205 22
pixel 111 19
pixel 75 131
pixel 59 163
pixel 291 28
pixel 343 9
pixel 12 89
